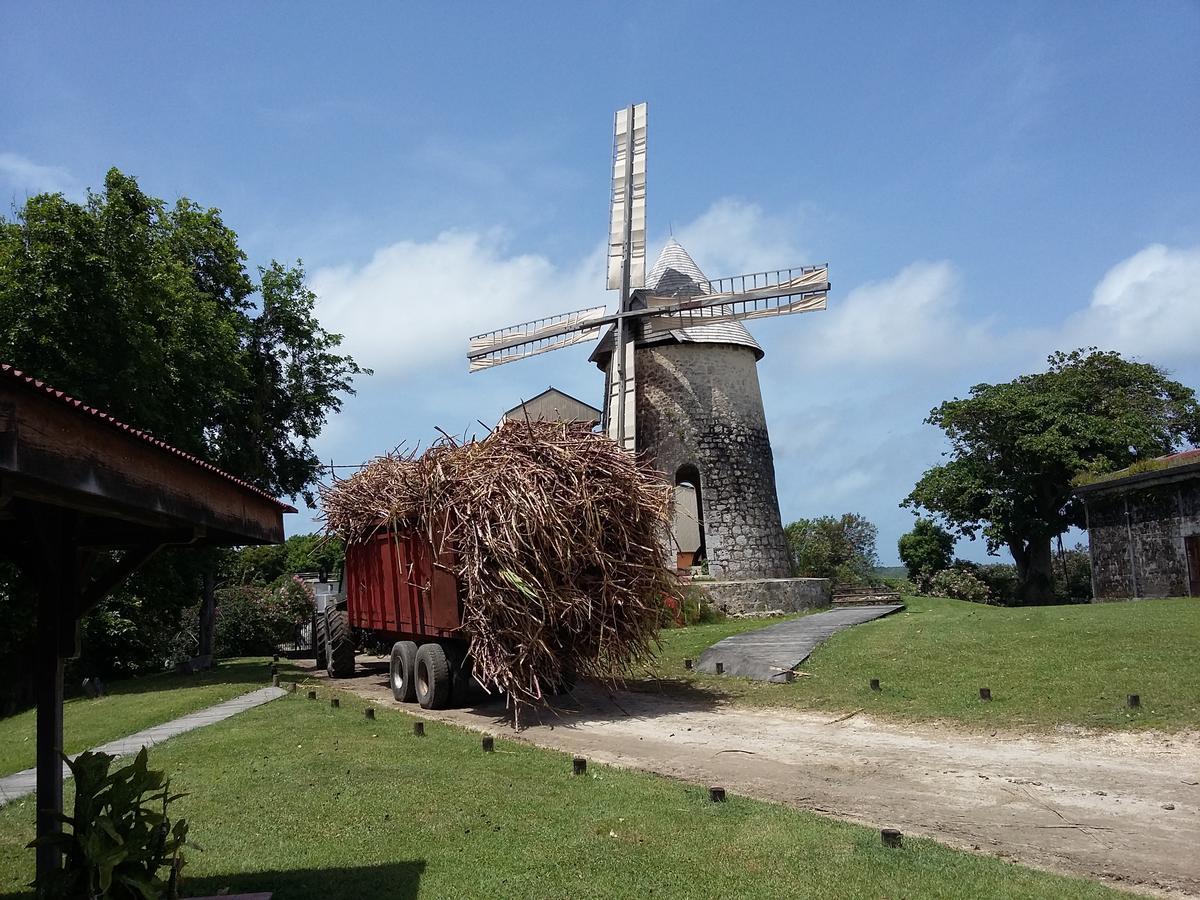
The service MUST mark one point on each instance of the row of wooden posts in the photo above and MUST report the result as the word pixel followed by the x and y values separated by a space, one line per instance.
pixel 1133 701
pixel 891 837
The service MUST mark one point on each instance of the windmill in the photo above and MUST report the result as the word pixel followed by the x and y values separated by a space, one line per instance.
pixel 671 303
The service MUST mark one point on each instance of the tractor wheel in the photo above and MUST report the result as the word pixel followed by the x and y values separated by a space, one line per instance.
pixel 403 671
pixel 433 676
pixel 317 636
pixel 339 644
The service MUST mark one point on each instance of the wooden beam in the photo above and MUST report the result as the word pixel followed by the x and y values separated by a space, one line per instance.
pixel 56 452
pixel 132 560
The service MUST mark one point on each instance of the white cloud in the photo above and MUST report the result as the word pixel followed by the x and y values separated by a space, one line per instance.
pixel 416 303
pixel 25 175
pixel 1147 306
pixel 912 318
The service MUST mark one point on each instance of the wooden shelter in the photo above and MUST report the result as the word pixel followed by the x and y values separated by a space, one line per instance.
pixel 84 501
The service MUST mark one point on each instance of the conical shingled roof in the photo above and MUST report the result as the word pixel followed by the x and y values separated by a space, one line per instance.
pixel 675 274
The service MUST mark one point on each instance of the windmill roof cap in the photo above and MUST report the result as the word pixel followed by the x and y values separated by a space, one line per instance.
pixel 676 274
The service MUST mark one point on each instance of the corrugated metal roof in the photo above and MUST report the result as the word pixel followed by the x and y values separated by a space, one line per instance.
pixel 15 374
pixel 675 274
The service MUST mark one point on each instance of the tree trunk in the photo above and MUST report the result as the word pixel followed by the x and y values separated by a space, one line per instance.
pixel 208 609
pixel 1035 570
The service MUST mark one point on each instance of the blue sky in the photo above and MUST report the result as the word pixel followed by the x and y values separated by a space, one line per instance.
pixel 988 183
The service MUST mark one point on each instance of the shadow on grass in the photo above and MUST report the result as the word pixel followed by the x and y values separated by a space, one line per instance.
pixel 646 696
pixel 248 672
pixel 390 881
pixel 393 881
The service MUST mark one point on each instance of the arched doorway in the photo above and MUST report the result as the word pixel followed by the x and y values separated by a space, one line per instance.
pixel 688 524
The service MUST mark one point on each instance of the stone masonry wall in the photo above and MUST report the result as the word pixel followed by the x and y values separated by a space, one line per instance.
pixel 1154 562
pixel 767 595
pixel 700 404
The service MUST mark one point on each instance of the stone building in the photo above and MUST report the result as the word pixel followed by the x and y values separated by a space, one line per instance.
pixel 700 420
pixel 1144 530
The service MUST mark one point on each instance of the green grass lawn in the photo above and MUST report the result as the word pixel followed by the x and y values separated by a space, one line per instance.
pixel 129 706
pixel 312 802
pixel 1046 666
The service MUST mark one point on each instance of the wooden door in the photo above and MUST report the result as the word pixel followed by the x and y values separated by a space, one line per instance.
pixel 1192 543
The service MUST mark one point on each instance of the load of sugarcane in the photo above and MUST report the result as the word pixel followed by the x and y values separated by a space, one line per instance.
pixel 558 536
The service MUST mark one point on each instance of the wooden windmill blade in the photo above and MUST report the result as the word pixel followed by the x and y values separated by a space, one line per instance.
pixel 757 295
pixel 505 345
pixel 627 208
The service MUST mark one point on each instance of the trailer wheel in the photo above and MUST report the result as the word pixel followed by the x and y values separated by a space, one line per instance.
pixel 433 676
pixel 339 644
pixel 317 636
pixel 403 671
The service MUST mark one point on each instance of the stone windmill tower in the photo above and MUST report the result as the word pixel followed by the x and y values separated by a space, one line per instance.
pixel 681 378
pixel 700 420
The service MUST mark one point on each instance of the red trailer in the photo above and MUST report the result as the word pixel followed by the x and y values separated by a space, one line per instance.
pixel 394 594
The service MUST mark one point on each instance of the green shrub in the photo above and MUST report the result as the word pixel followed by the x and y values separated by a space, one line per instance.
pixel 253 620
pixel 120 836
pixel 925 551
pixel 960 584
pixel 1073 576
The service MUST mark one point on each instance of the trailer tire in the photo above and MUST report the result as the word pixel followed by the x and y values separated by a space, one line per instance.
pixel 433 681
pixel 317 636
pixel 403 671
pixel 339 644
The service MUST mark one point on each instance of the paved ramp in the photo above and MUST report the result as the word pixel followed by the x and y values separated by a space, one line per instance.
pixel 771 653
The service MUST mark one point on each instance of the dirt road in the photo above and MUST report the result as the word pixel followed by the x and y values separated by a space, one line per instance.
pixel 1123 808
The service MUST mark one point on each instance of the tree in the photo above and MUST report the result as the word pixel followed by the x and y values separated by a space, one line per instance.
pixel 147 311
pixel 841 549
pixel 1015 448
pixel 926 550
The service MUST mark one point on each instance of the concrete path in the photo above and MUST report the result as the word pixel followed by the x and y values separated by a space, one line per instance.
pixel 21 784
pixel 771 653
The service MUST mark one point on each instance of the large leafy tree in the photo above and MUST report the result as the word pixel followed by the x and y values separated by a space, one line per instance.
pixel 842 549
pixel 1015 448
pixel 925 550
pixel 146 309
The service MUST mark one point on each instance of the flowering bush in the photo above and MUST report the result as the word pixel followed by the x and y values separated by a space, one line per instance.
pixel 253 619
pixel 961 585
pixel 690 607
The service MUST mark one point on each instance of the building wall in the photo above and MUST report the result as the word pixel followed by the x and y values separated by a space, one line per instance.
pixel 700 404
pixel 1136 536
pixel 554 407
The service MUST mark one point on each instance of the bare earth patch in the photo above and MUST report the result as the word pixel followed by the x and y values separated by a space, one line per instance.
pixel 1120 807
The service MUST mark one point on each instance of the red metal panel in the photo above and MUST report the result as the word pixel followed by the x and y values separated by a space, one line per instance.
pixel 393 588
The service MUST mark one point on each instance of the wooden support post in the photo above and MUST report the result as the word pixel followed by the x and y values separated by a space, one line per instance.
pixel 985 693
pixel 334 702
pixel 687 662
pixel 419 729
pixel 369 712
pixel 875 684
pixel 488 743
pixel 49 687
pixel 1133 701
pixel 312 695
pixel 720 668
pixel 716 794
pixel 578 766
pixel 891 837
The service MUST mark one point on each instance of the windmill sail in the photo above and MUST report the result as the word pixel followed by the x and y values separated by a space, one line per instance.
pixel 494 348
pixel 754 296
pixel 628 187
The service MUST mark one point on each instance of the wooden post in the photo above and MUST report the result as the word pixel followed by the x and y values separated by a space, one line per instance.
pixel 49 688
pixel 312 695
pixel 369 712
pixel 334 702
pixel 488 743
pixel 875 684
pixel 720 668
pixel 891 837
pixel 985 693
pixel 579 766
pixel 1133 701
pixel 419 729
pixel 716 794
pixel 687 662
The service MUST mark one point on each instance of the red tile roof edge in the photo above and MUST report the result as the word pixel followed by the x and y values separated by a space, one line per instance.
pixel 39 385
